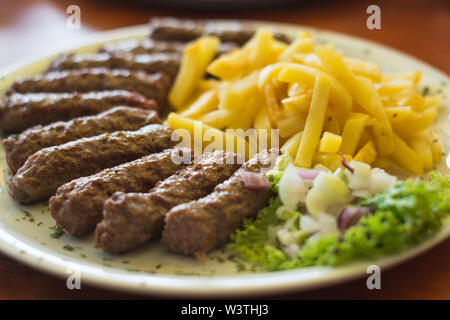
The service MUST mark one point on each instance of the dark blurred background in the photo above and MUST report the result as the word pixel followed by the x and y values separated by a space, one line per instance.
pixel 418 27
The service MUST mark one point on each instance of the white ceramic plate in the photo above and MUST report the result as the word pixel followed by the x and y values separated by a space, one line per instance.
pixel 25 232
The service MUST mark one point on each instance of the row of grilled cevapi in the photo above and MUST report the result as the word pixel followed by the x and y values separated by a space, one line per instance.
pixel 87 134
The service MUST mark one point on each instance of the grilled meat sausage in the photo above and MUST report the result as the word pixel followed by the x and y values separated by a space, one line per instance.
pixel 19 147
pixel 49 168
pixel 167 63
pixel 173 29
pixel 144 46
pixel 198 226
pixel 153 86
pixel 131 219
pixel 21 111
pixel 77 205
pixel 149 46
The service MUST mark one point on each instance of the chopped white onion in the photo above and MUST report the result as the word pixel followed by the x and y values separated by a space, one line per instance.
pixel 292 189
pixel 360 179
pixel 292 250
pixel 380 180
pixel 327 223
pixel 309 224
pixel 324 223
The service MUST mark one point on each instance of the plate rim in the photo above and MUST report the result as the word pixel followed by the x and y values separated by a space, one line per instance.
pixel 50 262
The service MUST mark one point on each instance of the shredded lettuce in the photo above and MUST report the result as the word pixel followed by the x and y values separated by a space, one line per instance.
pixel 405 215
pixel 275 174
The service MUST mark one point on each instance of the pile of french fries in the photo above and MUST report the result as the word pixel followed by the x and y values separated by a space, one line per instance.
pixel 322 103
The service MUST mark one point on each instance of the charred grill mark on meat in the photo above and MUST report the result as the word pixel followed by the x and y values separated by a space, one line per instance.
pixel 173 29
pixel 19 147
pixel 131 219
pixel 167 63
pixel 77 205
pixel 21 111
pixel 49 168
pixel 152 86
pixel 198 226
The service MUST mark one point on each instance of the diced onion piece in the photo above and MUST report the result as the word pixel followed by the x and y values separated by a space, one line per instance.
pixel 380 180
pixel 309 224
pixel 292 189
pixel 255 181
pixel 351 215
pixel 327 223
pixel 310 174
pixel 324 223
pixel 360 179
pixel 328 190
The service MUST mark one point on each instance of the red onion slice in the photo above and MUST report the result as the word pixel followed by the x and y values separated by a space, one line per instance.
pixel 346 164
pixel 310 174
pixel 254 181
pixel 351 215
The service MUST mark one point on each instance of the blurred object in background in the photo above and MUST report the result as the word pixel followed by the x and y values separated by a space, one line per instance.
pixel 30 28
pixel 418 27
pixel 217 4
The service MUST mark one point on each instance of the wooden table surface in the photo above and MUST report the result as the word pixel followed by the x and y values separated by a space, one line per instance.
pixel 420 28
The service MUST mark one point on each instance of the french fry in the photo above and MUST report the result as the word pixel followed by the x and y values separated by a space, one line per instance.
pixel 406 158
pixel 431 102
pixel 330 142
pixel 279 46
pixel 351 134
pixel 423 150
pixel 244 119
pixel 234 96
pixel 295 89
pixel 302 44
pixel 308 59
pixel 263 53
pixel 339 95
pixel 416 123
pixel 273 108
pixel 367 154
pixel 218 118
pixel 393 86
pixel 383 163
pixel 291 125
pixel 399 114
pixel 202 134
pixel 208 84
pixel 297 104
pixel 196 57
pixel 434 144
pixel 205 103
pixel 364 93
pixel 231 65
pixel 314 122
pixel 414 77
pixel 332 122
pixel 363 68
pixel 415 101
pixel 262 120
pixel 365 137
pixel 291 145
pixel 269 73
pixel 332 161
